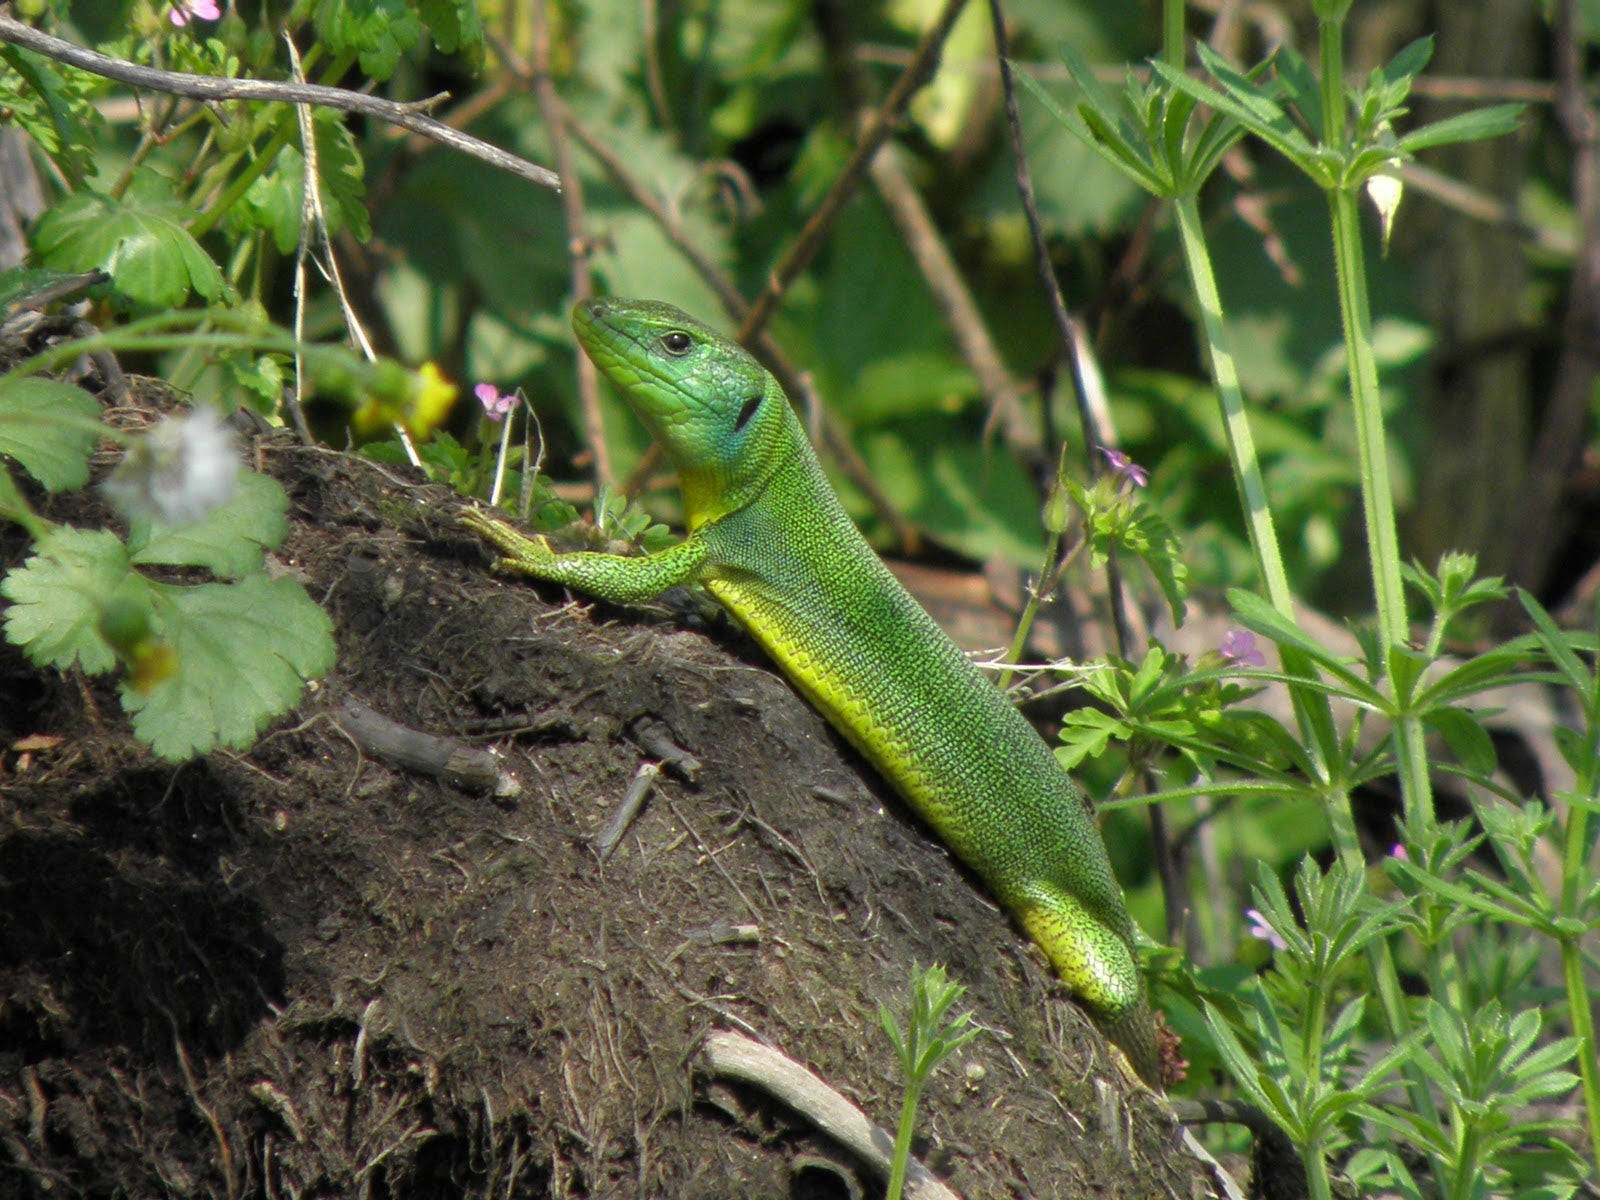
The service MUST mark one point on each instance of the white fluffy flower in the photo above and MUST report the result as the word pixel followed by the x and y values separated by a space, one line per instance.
pixel 178 472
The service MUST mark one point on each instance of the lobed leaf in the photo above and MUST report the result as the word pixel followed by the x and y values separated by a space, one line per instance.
pixel 244 650
pixel 230 542
pixel 139 240
pixel 57 597
pixel 49 428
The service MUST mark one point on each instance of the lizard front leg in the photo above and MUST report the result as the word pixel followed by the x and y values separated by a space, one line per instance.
pixel 613 577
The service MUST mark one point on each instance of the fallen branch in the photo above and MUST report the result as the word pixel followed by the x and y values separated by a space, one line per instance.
pixel 728 1055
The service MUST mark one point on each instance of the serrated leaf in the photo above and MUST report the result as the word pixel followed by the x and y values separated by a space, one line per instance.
pixel 231 541
pixel 57 596
pixel 50 428
pixel 38 96
pixel 244 651
pixel 377 31
pixel 139 240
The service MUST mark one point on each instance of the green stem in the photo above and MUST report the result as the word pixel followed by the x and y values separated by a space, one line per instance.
pixel 1241 445
pixel 1383 543
pixel 288 128
pixel 1464 1171
pixel 14 508
pixel 902 1141
pixel 1582 1017
pixel 1377 497
pixel 1172 42
pixel 1575 878
pixel 1317 1181
pixel 1314 713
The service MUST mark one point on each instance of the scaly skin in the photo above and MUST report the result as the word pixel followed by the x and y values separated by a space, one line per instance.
pixel 770 541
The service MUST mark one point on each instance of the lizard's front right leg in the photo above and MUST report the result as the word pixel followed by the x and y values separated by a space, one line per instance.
pixel 613 577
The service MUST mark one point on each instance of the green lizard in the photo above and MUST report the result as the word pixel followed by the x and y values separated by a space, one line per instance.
pixel 770 541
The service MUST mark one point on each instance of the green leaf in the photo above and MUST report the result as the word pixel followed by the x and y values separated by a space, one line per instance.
pixel 1258 616
pixel 1467 739
pixel 139 240
pixel 42 99
pixel 244 653
pixel 1085 734
pixel 377 31
pixel 1098 124
pixel 1473 126
pixel 275 201
pixel 57 596
pixel 909 384
pixel 453 23
pixel 50 428
pixel 1409 62
pixel 231 541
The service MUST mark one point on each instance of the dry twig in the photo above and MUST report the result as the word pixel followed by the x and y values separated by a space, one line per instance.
pixel 210 88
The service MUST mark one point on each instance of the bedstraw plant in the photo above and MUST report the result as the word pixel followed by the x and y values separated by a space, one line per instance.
pixel 1451 1073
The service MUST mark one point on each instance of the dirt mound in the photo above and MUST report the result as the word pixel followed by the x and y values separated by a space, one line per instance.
pixel 300 972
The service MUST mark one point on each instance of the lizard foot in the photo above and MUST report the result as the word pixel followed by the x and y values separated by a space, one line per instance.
pixel 519 552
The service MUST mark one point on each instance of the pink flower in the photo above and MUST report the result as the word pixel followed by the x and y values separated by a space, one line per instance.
pixel 1125 468
pixel 1259 928
pixel 1238 649
pixel 495 405
pixel 184 11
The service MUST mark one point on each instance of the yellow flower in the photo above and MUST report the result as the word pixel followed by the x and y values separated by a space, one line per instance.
pixel 432 400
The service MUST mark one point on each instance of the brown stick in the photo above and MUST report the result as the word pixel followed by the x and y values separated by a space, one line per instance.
pixel 553 112
pixel 727 1055
pixel 876 131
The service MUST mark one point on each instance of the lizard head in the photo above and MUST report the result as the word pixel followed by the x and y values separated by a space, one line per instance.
pixel 716 412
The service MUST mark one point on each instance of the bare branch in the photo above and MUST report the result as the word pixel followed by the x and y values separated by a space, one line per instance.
pixel 210 88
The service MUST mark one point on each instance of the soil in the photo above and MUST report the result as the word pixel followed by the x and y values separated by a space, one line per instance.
pixel 299 972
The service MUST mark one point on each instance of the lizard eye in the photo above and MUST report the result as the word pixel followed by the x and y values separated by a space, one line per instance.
pixel 745 413
pixel 677 343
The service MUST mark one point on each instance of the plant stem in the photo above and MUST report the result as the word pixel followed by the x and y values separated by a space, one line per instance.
pixel 288 128
pixel 1172 46
pixel 1377 496
pixel 1313 711
pixel 1582 1017
pixel 1575 877
pixel 902 1141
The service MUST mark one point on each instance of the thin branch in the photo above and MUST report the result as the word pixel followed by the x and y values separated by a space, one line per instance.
pixel 552 111
pixel 210 88
pixel 875 132
pixel 954 300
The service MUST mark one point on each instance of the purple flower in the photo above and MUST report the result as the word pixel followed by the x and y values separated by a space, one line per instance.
pixel 1238 649
pixel 1259 928
pixel 184 11
pixel 495 405
pixel 1124 468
